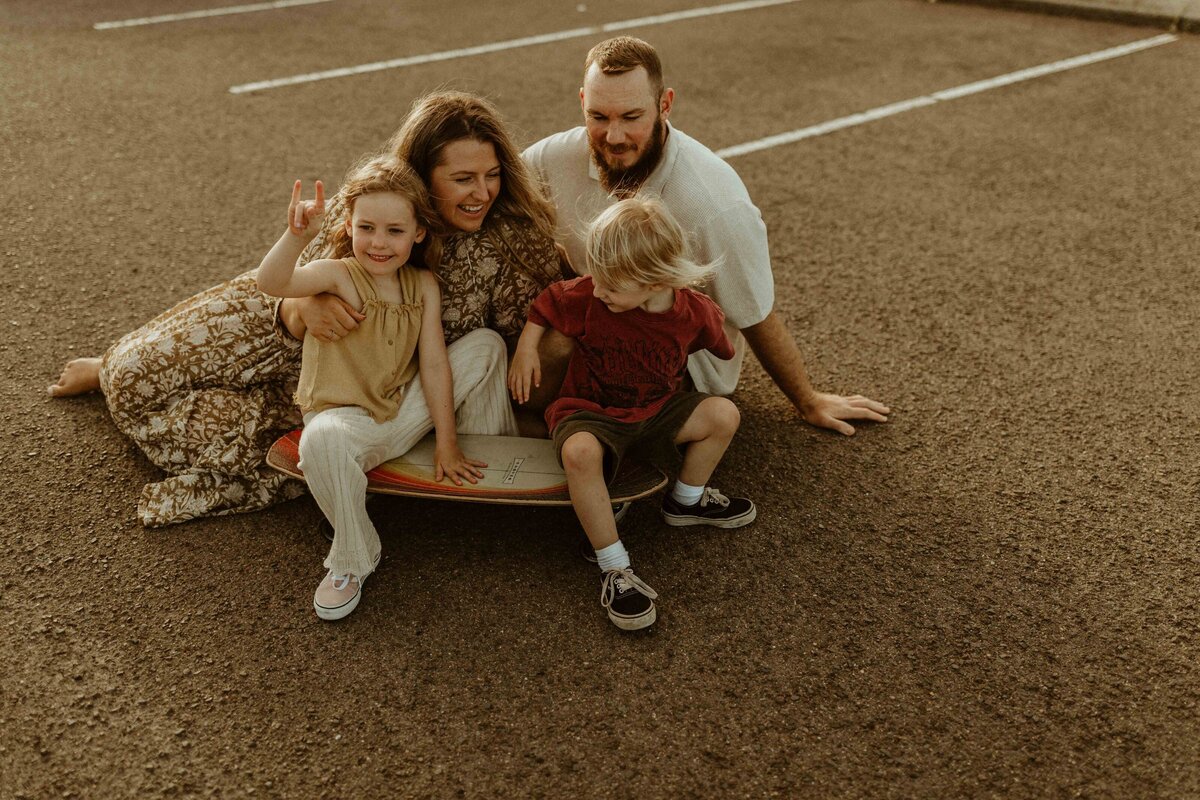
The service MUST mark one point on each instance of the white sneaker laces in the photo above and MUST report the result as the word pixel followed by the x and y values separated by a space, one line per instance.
pixel 344 579
pixel 617 581
pixel 711 495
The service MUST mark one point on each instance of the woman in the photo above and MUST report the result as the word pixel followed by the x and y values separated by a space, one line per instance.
pixel 206 387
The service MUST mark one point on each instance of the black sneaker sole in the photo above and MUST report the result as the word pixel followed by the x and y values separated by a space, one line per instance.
pixel 644 620
pixel 683 521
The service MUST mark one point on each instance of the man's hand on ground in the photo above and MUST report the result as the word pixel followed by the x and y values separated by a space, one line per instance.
pixel 831 411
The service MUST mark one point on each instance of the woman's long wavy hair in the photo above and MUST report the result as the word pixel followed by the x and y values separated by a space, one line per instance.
pixel 440 118
pixel 386 173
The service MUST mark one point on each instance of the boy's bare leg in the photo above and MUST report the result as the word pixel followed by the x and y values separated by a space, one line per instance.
pixel 80 375
pixel 583 461
pixel 627 599
pixel 707 432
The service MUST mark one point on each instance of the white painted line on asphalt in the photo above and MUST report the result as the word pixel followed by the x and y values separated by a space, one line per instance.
pixel 691 13
pixel 942 96
pixel 207 12
pixel 510 44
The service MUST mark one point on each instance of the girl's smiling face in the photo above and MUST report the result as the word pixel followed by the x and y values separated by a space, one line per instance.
pixel 465 183
pixel 383 230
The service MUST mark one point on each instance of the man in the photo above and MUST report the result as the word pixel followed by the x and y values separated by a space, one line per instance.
pixel 627 147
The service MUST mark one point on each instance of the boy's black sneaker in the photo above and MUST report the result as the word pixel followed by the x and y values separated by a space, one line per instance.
pixel 714 509
pixel 627 599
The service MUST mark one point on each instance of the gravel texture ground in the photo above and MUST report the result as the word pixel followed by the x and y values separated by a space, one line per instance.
pixel 992 595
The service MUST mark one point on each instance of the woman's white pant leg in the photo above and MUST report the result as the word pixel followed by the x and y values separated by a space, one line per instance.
pixel 479 362
pixel 479 366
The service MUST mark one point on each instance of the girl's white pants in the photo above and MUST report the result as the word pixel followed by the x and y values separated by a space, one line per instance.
pixel 339 445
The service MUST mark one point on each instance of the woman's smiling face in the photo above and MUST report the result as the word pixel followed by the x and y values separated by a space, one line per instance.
pixel 465 183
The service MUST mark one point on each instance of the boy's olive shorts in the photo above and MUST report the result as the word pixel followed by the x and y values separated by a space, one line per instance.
pixel 652 439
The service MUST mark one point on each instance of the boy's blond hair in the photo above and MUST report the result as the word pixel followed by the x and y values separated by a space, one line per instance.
pixel 636 242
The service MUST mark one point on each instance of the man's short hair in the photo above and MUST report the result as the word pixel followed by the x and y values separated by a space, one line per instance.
pixel 625 54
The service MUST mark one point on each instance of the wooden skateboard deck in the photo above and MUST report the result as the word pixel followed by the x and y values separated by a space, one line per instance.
pixel 520 471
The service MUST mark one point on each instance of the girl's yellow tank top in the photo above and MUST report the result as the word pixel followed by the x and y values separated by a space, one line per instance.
pixel 370 366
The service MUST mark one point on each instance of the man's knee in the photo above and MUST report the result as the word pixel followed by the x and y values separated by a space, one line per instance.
pixel 555 349
pixel 554 353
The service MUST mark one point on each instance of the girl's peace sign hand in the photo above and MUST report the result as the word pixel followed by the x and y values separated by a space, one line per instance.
pixel 305 216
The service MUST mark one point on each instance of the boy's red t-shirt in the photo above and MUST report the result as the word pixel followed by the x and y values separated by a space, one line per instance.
pixel 625 365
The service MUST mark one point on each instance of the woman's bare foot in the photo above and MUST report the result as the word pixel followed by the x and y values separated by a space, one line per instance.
pixel 80 375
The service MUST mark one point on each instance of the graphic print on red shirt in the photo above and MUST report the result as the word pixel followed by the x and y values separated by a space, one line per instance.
pixel 625 365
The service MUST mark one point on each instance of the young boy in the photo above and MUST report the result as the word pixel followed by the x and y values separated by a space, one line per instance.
pixel 635 321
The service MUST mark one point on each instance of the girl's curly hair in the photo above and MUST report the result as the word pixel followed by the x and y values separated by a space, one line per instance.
pixel 387 173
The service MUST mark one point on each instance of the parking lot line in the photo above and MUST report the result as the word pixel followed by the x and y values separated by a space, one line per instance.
pixel 941 96
pixel 206 12
pixel 509 44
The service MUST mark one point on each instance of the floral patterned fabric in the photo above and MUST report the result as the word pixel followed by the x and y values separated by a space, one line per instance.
pixel 481 288
pixel 207 386
pixel 204 389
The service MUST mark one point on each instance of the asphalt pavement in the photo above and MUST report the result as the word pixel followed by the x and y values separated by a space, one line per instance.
pixel 983 217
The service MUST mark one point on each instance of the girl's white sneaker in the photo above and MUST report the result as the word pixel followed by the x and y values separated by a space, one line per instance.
pixel 337 595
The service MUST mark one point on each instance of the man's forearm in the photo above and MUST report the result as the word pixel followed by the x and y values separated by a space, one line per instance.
pixel 780 356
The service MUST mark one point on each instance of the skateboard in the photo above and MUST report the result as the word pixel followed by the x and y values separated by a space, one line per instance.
pixel 520 471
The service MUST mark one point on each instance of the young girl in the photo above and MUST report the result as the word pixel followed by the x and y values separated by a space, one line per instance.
pixel 373 394
pixel 634 321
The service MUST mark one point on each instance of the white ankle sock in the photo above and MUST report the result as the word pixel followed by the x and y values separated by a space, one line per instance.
pixel 687 495
pixel 612 557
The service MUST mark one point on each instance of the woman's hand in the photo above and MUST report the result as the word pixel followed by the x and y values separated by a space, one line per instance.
pixel 305 216
pixel 450 462
pixel 327 316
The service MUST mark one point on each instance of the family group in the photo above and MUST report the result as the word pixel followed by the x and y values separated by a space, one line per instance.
pixel 601 288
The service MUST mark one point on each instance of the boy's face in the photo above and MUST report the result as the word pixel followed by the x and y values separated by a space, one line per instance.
pixel 645 297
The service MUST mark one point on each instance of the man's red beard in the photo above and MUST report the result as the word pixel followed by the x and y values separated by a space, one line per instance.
pixel 625 181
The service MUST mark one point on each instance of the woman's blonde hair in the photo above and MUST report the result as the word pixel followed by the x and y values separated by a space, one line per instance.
pixel 636 242
pixel 386 173
pixel 440 118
